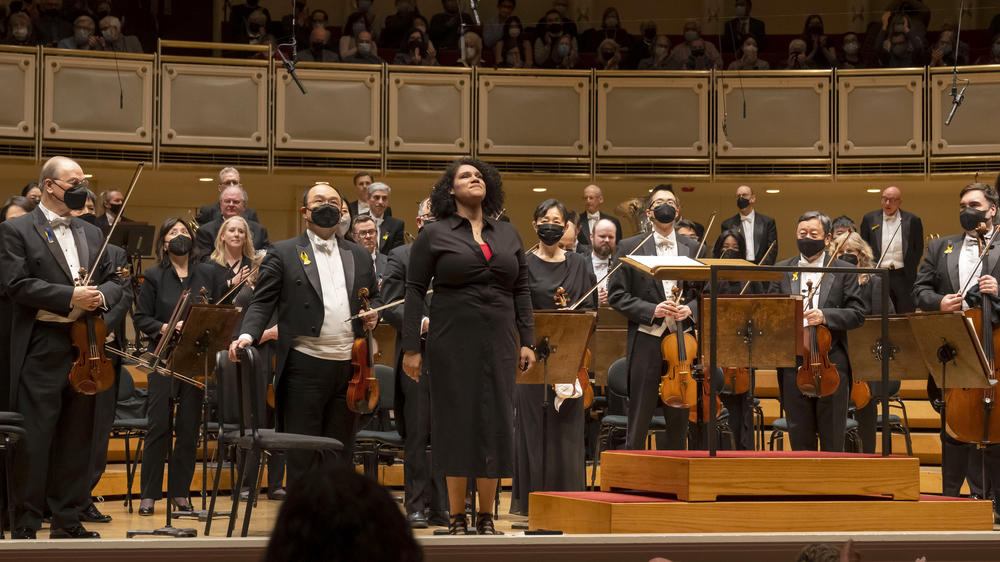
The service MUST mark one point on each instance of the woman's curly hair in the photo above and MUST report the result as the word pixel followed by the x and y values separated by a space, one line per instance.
pixel 443 201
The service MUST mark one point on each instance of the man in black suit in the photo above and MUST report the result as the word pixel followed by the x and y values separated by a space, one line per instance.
pixel 741 27
pixel 364 233
pixel 228 177
pixel 652 315
pixel 748 220
pixel 839 305
pixel 43 252
pixel 426 497
pixel 112 201
pixel 233 202
pixel 312 281
pixel 950 263
pixel 359 207
pixel 390 230
pixel 593 198
pixel 903 249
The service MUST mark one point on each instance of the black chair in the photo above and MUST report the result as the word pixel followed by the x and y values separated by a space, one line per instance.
pixel 130 423
pixel 852 437
pixel 252 442
pixel 10 433
pixel 380 441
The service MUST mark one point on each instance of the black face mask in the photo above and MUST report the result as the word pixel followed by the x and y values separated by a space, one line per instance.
pixel 665 213
pixel 180 245
pixel 742 202
pixel 971 218
pixel 729 254
pixel 326 216
pixel 317 46
pixel 849 258
pixel 116 208
pixel 549 234
pixel 809 247
pixel 89 217
pixel 415 43
pixel 75 197
pixel 555 28
pixel 650 33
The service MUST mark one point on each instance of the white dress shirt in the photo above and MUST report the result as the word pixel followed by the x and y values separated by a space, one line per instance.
pixel 892 252
pixel 665 246
pixel 968 264
pixel 363 208
pixel 592 219
pixel 63 235
pixel 804 279
pixel 746 224
pixel 378 229
pixel 335 338
pixel 601 266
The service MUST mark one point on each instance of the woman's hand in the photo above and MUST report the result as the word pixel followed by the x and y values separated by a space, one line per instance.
pixel 411 365
pixel 527 359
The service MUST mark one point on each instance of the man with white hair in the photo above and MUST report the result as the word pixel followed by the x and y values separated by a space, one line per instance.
pixel 233 202
pixel 228 177
pixel 593 198
pixel 83 35
pixel 390 230
pixel 43 252
pixel 112 39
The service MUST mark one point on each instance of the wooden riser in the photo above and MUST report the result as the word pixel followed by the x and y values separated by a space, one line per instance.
pixel 578 515
pixel 704 478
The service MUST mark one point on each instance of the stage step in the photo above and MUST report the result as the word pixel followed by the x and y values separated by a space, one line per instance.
pixel 696 476
pixel 604 512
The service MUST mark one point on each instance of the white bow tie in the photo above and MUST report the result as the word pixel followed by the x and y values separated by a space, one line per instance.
pixel 594 216
pixel 60 221
pixel 664 244
pixel 325 246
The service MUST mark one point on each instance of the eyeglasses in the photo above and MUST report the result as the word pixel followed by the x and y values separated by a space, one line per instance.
pixel 366 233
pixel 74 183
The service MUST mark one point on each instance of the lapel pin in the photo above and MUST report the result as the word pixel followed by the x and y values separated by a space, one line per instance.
pixel 795 276
pixel 949 249
pixel 305 258
pixel 876 226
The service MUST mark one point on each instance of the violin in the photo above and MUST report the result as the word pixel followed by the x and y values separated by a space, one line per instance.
pixel 362 392
pixel 677 387
pixel 735 380
pixel 817 376
pixel 583 375
pixel 861 393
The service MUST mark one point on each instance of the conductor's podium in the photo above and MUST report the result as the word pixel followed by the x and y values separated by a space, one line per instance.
pixel 755 491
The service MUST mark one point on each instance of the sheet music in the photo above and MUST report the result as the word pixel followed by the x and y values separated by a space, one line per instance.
pixel 667 261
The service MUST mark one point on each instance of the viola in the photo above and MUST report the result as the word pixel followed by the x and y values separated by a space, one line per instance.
pixel 817 376
pixel 92 371
pixel 362 391
pixel 735 380
pixel 677 387
pixel 583 375
pixel 861 393
pixel 706 395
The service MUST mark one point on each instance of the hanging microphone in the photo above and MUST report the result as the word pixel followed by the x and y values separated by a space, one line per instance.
pixel 957 96
pixel 290 64
pixel 957 101
pixel 475 10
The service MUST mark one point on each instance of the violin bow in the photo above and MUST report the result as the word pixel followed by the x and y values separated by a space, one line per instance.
pixel 576 305
pixel 384 307
pixel 769 248
pixel 701 246
pixel 239 285
pixel 833 256
pixel 982 256
pixel 891 238
pixel 118 218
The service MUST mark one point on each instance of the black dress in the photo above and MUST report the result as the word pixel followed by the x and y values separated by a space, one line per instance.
pixel 565 464
pixel 739 406
pixel 479 310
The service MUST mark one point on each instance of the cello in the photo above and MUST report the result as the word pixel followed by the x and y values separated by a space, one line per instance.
pixel 583 375
pixel 362 391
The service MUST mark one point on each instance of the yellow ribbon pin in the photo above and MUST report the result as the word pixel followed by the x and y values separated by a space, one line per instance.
pixel 876 226
pixel 949 249
pixel 385 236
pixel 795 276
pixel 305 258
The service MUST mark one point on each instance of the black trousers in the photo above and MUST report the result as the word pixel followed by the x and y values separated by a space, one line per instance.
pixel 740 419
pixel 900 291
pixel 314 402
pixel 185 437
pixel 51 465
pixel 104 418
pixel 967 462
pixel 424 488
pixel 811 417
pixel 645 367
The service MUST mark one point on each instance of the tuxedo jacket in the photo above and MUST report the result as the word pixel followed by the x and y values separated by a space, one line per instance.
pixel 636 294
pixel 289 282
pixel 209 213
pixel 381 263
pixel 938 275
pixel 911 233
pixel 204 238
pixel 584 235
pixel 36 275
pixel 765 231
pixel 390 234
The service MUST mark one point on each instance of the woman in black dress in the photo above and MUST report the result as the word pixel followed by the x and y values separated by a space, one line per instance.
pixel 551 267
pixel 481 306
pixel 234 250
pixel 161 289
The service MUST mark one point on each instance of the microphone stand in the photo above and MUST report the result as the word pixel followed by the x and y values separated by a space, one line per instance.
pixel 289 64
pixel 957 96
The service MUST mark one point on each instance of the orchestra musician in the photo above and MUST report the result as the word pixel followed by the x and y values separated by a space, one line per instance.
pixel 481 306
pixel 549 268
pixel 162 286
pixel 652 314
pixel 902 251
pixel 43 252
pixel 761 228
pixel 837 304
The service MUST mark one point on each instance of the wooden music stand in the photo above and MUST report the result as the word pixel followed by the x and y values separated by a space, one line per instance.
pixel 608 343
pixel 682 268
pixel 754 329
pixel 865 346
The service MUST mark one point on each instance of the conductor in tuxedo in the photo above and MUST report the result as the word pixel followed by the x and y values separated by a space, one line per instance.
pixel 903 249
pixel 593 198
pixel 313 282
pixel 838 304
pixel 758 230
pixel 233 202
pixel 228 177
pixel 652 315
pixel 43 252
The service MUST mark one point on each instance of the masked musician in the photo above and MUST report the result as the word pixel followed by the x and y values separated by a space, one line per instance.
pixel 838 305
pixel 43 252
pixel 652 315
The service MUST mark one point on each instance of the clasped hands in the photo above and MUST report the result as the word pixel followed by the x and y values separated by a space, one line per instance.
pixel 676 311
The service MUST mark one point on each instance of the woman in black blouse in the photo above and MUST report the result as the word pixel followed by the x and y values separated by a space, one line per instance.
pixel 551 267
pixel 161 289
pixel 234 250
pixel 481 306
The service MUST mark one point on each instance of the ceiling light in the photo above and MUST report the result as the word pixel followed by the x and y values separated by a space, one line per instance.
pixel 88 176
pixel 205 179
pixel 539 189
pixel 876 190
pixel 772 191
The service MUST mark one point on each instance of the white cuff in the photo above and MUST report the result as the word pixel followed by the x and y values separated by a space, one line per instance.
pixel 246 337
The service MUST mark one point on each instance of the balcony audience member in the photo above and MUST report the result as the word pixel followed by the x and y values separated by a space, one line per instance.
pixel 748 57
pixel 694 53
pixel 257 25
pixel 611 28
pixel 994 28
pixel 609 55
pixel 415 52
pixel 366 13
pixel 554 48
pixel 473 54
pixel 356 24
pixel 319 18
pixel 903 51
pixel 319 39
pixel 850 52
pixel 83 37
pixel 661 55
pixel 239 21
pixel 446 27
pixel 993 56
pixel 514 50
pixel 797 56
pixel 495 27
pixel 561 8
pixel 19 31
pixel 112 38
pixel 943 51
pixel 51 26
pixel 820 52
pixel 396 25
pixel 916 11
pixel 366 51
pixel 643 44
pixel 741 27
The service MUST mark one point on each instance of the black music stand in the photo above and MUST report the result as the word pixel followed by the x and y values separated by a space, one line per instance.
pixel 206 328
pixel 136 238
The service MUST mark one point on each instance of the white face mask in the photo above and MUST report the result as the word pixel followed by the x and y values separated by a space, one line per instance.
pixel 20 33
pixel 470 53
pixel 514 32
pixel 344 224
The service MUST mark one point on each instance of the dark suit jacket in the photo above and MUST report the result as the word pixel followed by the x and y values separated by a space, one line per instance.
pixel 636 294
pixel 114 318
pixel 289 281
pixel 36 275
pixel 764 232
pixel 381 263
pixel 209 213
pixel 353 208
pixel 391 234
pixel 204 238
pixel 938 275
pixel 584 235
pixel 911 233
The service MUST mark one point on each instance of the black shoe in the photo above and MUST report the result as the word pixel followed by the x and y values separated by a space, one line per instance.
pixel 77 532
pixel 146 507
pixel 182 505
pixel 416 520
pixel 459 525
pixel 484 524
pixel 276 494
pixel 437 518
pixel 92 515
pixel 23 533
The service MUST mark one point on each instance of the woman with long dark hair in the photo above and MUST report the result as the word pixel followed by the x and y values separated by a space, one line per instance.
pixel 161 289
pixel 481 330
